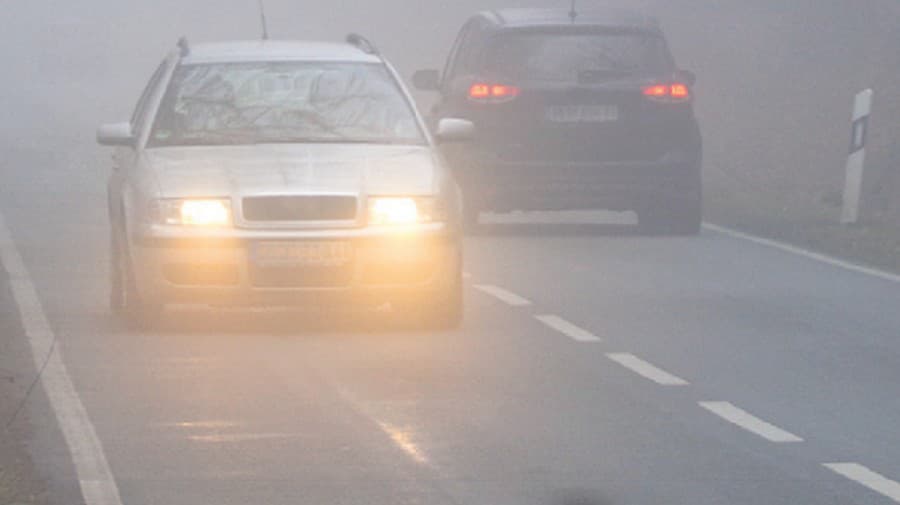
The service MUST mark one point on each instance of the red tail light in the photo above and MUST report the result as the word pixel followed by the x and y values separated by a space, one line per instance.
pixel 671 93
pixel 485 92
pixel 680 91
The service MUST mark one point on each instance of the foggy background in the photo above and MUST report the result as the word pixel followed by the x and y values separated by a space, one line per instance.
pixel 776 79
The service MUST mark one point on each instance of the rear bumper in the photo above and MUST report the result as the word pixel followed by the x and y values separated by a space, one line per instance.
pixel 221 269
pixel 504 186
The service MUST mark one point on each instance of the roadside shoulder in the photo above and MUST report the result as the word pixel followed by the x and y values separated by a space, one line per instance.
pixel 19 481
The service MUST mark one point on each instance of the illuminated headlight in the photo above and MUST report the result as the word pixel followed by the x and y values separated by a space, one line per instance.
pixel 398 211
pixel 194 212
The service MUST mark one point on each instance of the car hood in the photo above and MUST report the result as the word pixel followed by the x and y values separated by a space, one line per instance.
pixel 212 171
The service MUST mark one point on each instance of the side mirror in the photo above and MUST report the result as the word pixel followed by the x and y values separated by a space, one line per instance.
pixel 455 130
pixel 427 80
pixel 115 134
pixel 687 76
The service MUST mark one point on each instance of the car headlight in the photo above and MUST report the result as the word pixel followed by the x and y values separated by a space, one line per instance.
pixel 398 211
pixel 194 212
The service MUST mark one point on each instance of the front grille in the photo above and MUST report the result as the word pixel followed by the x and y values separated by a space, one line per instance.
pixel 301 276
pixel 299 208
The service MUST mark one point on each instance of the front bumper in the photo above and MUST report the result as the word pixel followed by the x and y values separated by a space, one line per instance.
pixel 185 266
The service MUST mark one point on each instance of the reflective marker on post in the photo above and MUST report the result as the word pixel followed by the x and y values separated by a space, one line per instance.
pixel 862 109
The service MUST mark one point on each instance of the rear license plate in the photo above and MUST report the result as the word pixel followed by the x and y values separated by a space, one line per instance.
pixel 302 253
pixel 582 114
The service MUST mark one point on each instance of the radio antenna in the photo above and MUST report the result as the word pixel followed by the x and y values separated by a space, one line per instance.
pixel 262 19
pixel 573 13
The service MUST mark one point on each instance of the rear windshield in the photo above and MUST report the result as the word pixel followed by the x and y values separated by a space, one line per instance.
pixel 573 57
pixel 289 102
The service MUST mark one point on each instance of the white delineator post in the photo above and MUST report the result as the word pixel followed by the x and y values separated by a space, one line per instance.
pixel 856 162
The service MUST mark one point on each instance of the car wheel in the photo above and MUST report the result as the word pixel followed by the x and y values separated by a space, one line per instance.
pixel 437 309
pixel 116 278
pixel 674 216
pixel 684 218
pixel 124 298
pixel 687 218
pixel 446 313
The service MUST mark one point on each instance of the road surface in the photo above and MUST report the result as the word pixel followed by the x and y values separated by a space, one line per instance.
pixel 593 361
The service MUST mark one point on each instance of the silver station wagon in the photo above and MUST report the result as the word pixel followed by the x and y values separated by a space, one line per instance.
pixel 271 173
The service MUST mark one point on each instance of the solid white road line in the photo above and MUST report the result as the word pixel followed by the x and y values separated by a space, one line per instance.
pixel 862 475
pixel 823 258
pixel 98 487
pixel 750 422
pixel 503 295
pixel 568 329
pixel 641 367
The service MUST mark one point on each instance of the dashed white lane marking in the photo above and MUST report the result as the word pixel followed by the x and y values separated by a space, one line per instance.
pixel 568 329
pixel 202 425
pixel 823 258
pixel 641 367
pixel 98 487
pixel 750 422
pixel 862 475
pixel 231 438
pixel 503 295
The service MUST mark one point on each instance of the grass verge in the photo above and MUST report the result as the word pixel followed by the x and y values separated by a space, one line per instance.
pixel 875 242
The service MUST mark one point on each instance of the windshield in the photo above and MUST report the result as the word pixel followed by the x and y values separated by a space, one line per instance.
pixel 275 102
pixel 546 56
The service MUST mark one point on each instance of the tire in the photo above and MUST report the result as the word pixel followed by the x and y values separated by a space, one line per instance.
pixel 687 219
pixel 437 309
pixel 117 294
pixel 684 217
pixel 679 215
pixel 125 301
pixel 447 311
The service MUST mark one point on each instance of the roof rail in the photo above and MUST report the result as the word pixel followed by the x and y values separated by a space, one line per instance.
pixel 362 43
pixel 184 47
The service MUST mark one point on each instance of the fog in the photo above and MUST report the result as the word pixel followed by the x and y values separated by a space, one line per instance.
pixel 776 79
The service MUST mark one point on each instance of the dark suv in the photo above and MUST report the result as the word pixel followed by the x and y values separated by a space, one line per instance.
pixel 573 111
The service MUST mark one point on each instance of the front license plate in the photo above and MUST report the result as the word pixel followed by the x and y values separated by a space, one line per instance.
pixel 582 114
pixel 302 253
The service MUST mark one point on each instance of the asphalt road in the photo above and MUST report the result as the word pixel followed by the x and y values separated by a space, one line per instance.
pixel 595 366
pixel 583 370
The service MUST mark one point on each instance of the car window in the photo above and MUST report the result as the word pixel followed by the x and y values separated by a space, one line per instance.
pixel 470 51
pixel 242 103
pixel 140 112
pixel 451 69
pixel 572 57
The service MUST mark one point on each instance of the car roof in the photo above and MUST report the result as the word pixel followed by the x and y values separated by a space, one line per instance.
pixel 545 18
pixel 271 50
